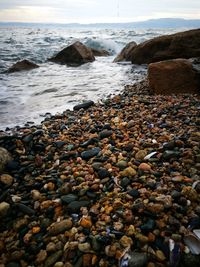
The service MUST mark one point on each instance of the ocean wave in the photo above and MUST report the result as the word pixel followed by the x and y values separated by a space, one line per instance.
pixel 106 44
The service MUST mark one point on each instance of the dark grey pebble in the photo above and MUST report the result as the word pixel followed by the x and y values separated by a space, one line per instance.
pixel 89 142
pixel 134 193
pixel 69 198
pixel 148 226
pixel 103 173
pixel 90 153
pixel 169 154
pixel 25 209
pixel 84 105
pixel 125 182
pixel 76 205
pixel 105 133
pixel 59 144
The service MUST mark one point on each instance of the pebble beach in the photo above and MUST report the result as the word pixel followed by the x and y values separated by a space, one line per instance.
pixel 116 183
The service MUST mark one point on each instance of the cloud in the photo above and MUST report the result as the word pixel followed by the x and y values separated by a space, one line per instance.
pixel 63 11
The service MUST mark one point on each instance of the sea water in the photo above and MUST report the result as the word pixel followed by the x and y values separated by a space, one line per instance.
pixel 52 88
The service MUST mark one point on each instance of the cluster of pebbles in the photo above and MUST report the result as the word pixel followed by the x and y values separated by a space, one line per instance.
pixel 113 184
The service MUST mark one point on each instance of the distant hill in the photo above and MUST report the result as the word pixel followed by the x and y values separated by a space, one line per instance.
pixel 152 23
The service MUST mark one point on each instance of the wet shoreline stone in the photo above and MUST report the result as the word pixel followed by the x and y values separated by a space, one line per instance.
pixel 111 185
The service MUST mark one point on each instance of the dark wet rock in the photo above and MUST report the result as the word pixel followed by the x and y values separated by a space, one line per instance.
pixel 90 153
pixel 125 182
pixel 103 173
pixel 25 209
pixel 75 54
pixel 69 198
pixel 100 52
pixel 91 141
pixel 166 47
pixel 5 157
pixel 161 78
pixel 84 105
pixel 22 65
pixel 134 193
pixel 126 53
pixel 134 259
pixel 60 227
pixel 12 165
pixel 76 205
pixel 105 134
pixel 169 154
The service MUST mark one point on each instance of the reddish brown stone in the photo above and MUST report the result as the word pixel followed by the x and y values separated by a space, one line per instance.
pixel 173 77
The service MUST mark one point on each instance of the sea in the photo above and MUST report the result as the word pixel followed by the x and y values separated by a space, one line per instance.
pixel 30 96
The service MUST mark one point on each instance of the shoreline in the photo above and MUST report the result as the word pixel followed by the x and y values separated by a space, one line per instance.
pixel 121 177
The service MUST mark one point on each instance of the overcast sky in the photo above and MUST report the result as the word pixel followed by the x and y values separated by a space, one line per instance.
pixel 91 11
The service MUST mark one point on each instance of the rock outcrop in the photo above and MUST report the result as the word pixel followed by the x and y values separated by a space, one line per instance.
pixel 126 53
pixel 75 54
pixel 100 53
pixel 173 77
pixel 179 45
pixel 22 65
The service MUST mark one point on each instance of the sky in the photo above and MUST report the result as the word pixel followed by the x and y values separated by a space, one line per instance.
pixel 96 11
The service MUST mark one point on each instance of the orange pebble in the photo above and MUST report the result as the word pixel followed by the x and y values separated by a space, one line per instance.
pixel 35 229
pixel 86 222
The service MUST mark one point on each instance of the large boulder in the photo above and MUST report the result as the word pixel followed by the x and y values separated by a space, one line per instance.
pixel 126 53
pixel 173 77
pixel 75 54
pixel 22 65
pixel 179 45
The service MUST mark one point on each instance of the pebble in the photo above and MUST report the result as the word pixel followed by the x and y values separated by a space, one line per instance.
pixel 60 227
pixel 104 186
pixel 90 153
pixel 5 157
pixel 4 208
pixel 6 179
pixel 84 105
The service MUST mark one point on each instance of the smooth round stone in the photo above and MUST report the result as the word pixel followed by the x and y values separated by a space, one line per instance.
pixel 59 264
pixel 84 247
pixel 122 164
pixel 6 179
pixel 60 227
pixel 97 165
pixel 105 134
pixel 4 207
pixel 128 172
pixel 52 259
pixel 5 157
pixel 69 198
pixel 140 155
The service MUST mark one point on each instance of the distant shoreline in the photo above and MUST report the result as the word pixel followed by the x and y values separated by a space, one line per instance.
pixel 152 23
